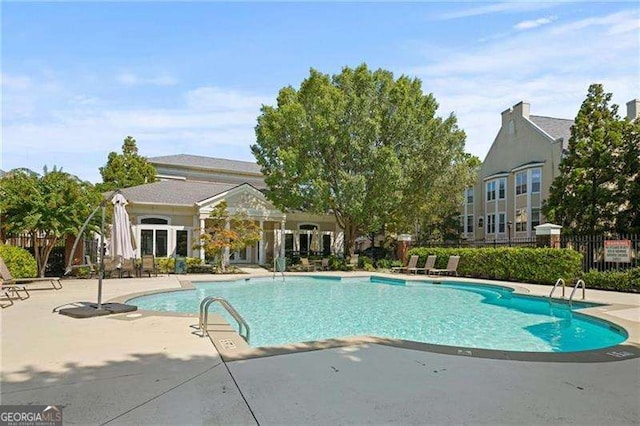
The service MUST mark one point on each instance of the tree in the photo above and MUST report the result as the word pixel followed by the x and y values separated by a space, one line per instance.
pixel 628 185
pixel 46 207
pixel 360 144
pixel 217 236
pixel 584 198
pixel 126 169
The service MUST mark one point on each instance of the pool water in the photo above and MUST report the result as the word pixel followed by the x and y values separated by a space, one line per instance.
pixel 310 308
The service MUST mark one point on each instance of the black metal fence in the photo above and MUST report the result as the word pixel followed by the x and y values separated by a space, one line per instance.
pixel 513 242
pixel 592 248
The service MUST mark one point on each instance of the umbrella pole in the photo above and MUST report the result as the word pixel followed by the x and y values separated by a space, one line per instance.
pixel 101 273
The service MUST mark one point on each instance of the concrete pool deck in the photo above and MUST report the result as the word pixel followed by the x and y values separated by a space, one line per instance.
pixel 150 369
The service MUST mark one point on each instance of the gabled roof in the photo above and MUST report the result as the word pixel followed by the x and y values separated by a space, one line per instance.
pixel 209 163
pixel 554 127
pixel 175 192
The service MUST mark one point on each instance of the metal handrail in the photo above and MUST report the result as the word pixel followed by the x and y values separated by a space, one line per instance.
pixel 560 280
pixel 204 315
pixel 576 287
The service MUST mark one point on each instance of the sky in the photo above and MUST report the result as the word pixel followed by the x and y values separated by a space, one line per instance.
pixel 190 77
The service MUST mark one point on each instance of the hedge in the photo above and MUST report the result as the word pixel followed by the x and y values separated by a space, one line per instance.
pixel 628 280
pixel 532 265
pixel 20 262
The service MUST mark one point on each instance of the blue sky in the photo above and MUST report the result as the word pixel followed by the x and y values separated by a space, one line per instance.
pixel 189 77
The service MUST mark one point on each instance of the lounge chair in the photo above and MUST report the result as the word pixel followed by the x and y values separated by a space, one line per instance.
pixel 149 265
pixel 413 262
pixel 429 265
pixel 9 281
pixel 12 288
pixel 452 267
pixel 304 263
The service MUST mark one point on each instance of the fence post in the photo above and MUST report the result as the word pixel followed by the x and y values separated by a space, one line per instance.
pixel 548 235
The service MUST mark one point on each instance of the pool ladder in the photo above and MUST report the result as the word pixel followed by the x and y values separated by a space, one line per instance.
pixel 573 292
pixel 204 316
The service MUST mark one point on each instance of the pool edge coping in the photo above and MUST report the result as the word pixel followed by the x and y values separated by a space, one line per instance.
pixel 239 350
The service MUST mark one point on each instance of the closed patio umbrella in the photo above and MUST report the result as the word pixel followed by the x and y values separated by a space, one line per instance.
pixel 315 241
pixel 121 247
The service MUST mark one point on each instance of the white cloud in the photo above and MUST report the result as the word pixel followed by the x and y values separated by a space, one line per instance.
pixel 131 79
pixel 551 68
pixel 19 82
pixel 79 133
pixel 534 23
pixel 505 7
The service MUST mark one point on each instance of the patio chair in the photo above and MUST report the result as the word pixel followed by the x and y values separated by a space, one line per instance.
pixel 111 266
pixel 149 265
pixel 452 267
pixel 325 264
pixel 413 262
pixel 429 264
pixel 9 281
pixel 128 266
pixel 304 263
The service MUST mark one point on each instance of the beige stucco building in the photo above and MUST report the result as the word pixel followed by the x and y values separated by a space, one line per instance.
pixel 167 215
pixel 516 175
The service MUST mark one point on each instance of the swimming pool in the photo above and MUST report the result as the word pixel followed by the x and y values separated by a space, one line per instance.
pixel 314 308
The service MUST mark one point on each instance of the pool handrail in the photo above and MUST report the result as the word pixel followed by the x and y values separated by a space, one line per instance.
pixel 204 315
pixel 576 287
pixel 560 281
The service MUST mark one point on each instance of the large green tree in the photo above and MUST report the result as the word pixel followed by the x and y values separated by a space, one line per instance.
pixel 126 169
pixel 361 144
pixel 47 207
pixel 628 185
pixel 585 197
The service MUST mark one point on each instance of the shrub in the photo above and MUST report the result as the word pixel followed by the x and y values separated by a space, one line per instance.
pixel 533 265
pixel 628 280
pixel 337 263
pixel 365 263
pixel 165 265
pixel 388 263
pixel 193 262
pixel 20 262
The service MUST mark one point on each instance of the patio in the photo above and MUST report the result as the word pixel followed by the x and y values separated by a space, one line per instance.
pixel 152 370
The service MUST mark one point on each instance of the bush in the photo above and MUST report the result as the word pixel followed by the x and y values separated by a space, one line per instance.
pixel 165 265
pixel 532 265
pixel 365 263
pixel 20 262
pixel 628 280
pixel 337 263
pixel 388 263
pixel 193 262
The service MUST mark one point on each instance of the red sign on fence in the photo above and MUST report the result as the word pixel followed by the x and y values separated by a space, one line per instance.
pixel 617 251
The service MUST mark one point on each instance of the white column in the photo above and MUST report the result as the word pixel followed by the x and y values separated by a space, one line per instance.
pixel 202 225
pixel 225 256
pixel 282 239
pixel 261 244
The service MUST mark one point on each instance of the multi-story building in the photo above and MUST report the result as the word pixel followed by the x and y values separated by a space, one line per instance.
pixel 168 215
pixel 517 173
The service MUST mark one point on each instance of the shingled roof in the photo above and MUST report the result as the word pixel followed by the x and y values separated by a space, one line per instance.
pixel 209 163
pixel 554 127
pixel 175 192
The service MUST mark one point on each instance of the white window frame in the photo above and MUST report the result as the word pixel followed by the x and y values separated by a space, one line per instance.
pixel 539 170
pixel 517 185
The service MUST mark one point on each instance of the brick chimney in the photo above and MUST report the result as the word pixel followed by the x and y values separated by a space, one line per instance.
pixel 633 109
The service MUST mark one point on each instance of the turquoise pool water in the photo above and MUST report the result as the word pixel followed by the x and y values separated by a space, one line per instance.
pixel 309 308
